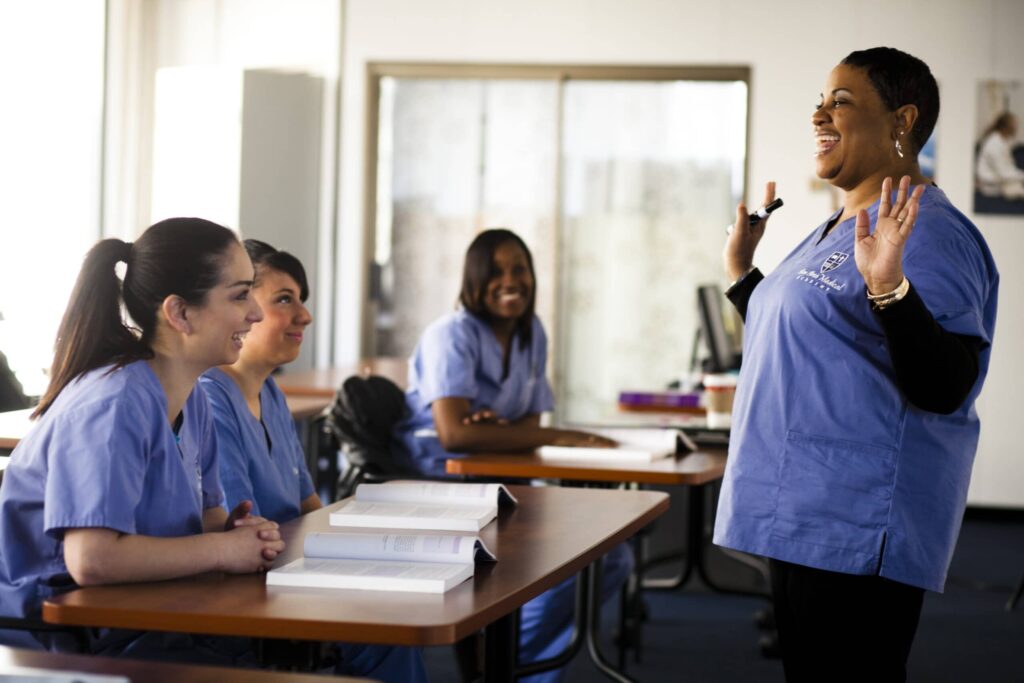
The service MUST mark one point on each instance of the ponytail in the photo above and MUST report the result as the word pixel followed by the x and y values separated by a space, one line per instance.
pixel 92 333
pixel 178 256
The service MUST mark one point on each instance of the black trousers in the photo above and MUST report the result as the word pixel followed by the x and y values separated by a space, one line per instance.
pixel 841 627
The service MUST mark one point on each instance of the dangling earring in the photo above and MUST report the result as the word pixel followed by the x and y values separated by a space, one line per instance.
pixel 899 147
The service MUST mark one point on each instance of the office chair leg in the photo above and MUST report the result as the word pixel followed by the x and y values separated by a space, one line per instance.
pixel 1015 598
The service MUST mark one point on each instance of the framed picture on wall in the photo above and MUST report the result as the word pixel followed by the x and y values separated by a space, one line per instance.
pixel 999 149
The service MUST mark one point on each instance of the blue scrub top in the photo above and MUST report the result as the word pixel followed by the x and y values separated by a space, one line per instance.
pixel 275 479
pixel 829 465
pixel 458 356
pixel 103 455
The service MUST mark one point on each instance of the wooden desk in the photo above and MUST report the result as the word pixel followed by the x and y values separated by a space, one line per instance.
pixel 325 382
pixel 14 425
pixel 304 407
pixel 565 531
pixel 148 672
pixel 693 469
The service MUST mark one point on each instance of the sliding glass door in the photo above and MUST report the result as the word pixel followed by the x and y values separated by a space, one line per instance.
pixel 619 179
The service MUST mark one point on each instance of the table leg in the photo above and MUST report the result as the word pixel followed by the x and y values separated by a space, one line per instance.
pixel 580 625
pixel 500 649
pixel 696 559
pixel 591 578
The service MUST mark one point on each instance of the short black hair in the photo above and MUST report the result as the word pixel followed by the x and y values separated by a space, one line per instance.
pixel 899 79
pixel 478 270
pixel 263 256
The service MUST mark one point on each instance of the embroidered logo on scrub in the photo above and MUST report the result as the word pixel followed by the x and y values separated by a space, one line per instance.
pixel 836 259
pixel 819 279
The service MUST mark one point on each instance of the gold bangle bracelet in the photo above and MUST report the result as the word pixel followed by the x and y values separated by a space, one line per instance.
pixel 880 301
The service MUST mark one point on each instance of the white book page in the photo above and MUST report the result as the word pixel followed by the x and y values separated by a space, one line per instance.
pixel 441 493
pixel 370 575
pixel 409 547
pixel 398 570
pixel 357 508
pixel 599 454
pixel 644 445
pixel 654 440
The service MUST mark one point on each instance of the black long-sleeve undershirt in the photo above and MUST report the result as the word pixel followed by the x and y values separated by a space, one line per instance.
pixel 935 369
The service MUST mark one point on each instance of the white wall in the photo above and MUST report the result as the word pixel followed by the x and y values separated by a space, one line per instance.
pixel 790 47
pixel 147 35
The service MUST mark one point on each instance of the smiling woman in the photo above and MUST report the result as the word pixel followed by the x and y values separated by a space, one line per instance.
pixel 118 481
pixel 854 485
pixel 261 461
pixel 477 382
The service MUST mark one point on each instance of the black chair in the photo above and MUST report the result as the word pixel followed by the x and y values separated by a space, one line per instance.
pixel 360 421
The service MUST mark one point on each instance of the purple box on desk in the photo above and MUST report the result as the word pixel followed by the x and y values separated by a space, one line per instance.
pixel 659 399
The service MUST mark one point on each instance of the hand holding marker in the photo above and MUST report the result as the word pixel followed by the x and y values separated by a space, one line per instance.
pixel 761 213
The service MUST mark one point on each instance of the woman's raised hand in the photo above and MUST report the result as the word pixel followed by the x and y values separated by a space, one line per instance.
pixel 738 255
pixel 879 254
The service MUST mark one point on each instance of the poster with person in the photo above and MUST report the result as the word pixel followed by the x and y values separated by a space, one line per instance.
pixel 999 149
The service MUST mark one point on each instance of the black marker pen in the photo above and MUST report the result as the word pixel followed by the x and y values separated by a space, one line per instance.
pixel 761 213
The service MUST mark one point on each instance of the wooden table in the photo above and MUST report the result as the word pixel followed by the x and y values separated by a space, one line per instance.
pixel 564 530
pixel 325 382
pixel 305 407
pixel 15 424
pixel 138 671
pixel 693 469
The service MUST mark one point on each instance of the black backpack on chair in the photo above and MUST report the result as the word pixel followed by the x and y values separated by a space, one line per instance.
pixel 361 418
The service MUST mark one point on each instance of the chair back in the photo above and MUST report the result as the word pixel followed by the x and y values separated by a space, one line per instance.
pixel 362 417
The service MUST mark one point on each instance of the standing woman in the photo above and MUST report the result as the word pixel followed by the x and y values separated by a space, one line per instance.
pixel 854 427
pixel 261 458
pixel 477 382
pixel 118 481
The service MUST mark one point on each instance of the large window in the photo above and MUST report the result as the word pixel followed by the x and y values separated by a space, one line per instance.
pixel 50 134
pixel 619 179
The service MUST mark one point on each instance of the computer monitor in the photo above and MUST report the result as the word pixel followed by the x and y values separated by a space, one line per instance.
pixel 717 332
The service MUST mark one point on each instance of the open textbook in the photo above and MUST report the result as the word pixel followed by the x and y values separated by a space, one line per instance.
pixel 423 505
pixel 392 562
pixel 635 445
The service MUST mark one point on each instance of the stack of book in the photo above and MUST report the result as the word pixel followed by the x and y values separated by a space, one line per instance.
pixel 661 401
pixel 398 560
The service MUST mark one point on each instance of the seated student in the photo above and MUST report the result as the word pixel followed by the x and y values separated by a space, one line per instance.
pixel 260 456
pixel 477 383
pixel 118 481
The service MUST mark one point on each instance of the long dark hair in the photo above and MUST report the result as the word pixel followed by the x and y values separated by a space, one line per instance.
pixel 264 256
pixel 479 270
pixel 178 256
pixel 899 79
pixel 1001 123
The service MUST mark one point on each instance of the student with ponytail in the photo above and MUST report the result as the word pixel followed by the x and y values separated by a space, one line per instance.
pixel 118 481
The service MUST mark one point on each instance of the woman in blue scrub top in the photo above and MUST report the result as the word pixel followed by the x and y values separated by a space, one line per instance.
pixel 477 382
pixel 118 481
pixel 854 428
pixel 261 459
